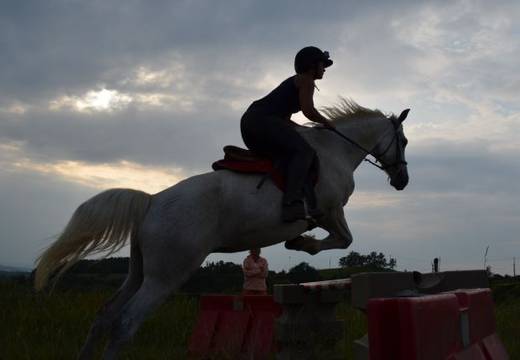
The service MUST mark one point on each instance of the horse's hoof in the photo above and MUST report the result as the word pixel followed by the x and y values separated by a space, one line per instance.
pixel 311 251
pixel 303 243
pixel 293 244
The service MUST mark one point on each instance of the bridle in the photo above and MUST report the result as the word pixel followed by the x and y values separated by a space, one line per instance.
pixel 399 158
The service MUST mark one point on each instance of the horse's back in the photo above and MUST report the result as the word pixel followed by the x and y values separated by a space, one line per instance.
pixel 223 208
pixel 209 198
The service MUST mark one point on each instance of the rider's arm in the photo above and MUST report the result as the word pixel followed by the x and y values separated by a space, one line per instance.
pixel 264 267
pixel 306 93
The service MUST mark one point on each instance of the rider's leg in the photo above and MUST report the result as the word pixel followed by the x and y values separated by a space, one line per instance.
pixel 299 162
pixel 298 156
pixel 309 194
pixel 278 138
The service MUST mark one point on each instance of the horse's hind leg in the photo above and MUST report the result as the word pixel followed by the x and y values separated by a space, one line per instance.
pixel 111 309
pixel 153 292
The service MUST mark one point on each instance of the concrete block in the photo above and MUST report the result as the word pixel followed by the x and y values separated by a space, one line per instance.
pixel 307 327
pixel 434 283
pixel 366 286
pixel 289 294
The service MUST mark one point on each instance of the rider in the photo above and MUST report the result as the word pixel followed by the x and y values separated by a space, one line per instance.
pixel 267 129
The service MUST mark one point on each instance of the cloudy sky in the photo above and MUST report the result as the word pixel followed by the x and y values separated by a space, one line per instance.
pixel 142 94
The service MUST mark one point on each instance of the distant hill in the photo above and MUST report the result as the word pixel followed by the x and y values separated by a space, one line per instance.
pixel 17 269
pixel 341 273
pixel 14 272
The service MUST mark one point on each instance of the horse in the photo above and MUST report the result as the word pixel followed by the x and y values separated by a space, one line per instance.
pixel 173 231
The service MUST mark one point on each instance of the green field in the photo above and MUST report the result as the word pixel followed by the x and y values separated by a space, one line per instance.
pixel 40 326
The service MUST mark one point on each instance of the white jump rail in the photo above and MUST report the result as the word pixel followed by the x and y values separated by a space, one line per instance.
pixel 338 284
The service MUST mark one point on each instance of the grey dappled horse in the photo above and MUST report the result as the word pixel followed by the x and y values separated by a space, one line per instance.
pixel 173 231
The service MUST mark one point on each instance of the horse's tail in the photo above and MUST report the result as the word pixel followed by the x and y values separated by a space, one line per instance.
pixel 101 224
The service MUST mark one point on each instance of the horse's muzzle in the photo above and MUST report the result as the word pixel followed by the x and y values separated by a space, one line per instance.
pixel 400 178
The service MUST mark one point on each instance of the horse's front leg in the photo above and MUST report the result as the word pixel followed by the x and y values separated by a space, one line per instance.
pixel 339 233
pixel 339 237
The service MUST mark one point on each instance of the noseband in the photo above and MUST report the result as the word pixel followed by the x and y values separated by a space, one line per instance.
pixel 398 161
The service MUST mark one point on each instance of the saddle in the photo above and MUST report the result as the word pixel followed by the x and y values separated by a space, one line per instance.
pixel 245 161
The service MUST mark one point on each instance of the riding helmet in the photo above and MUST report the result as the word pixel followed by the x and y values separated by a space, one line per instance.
pixel 309 56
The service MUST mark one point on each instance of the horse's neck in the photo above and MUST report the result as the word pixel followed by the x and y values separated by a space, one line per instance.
pixel 339 158
pixel 366 132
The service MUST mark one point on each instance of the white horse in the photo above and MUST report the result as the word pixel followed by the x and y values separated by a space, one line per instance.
pixel 173 231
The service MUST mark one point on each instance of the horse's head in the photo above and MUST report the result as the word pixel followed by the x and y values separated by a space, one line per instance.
pixel 391 152
pixel 386 131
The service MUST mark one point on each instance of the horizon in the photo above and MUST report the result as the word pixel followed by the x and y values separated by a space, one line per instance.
pixel 9 268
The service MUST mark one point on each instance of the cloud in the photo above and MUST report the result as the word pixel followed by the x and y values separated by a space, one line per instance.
pixel 87 102
pixel 102 100
pixel 35 207
pixel 102 176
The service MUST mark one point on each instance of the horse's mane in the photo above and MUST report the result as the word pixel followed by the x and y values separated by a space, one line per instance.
pixel 348 109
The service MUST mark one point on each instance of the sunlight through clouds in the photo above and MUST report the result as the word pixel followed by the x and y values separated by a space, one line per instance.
pixel 113 100
pixel 102 100
pixel 161 78
pixel 123 174
pixel 165 101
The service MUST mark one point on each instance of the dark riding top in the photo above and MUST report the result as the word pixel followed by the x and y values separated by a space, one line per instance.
pixel 283 101
pixel 267 130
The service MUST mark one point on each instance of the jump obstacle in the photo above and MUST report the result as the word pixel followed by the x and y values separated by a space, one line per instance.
pixel 411 316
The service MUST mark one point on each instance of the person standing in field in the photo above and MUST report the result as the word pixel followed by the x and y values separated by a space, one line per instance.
pixel 255 270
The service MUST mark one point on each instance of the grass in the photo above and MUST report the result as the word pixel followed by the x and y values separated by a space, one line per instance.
pixel 355 326
pixel 508 322
pixel 42 326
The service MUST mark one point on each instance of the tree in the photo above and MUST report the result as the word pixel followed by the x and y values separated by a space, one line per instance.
pixel 221 267
pixel 376 260
pixel 355 259
pixel 303 272
pixel 215 277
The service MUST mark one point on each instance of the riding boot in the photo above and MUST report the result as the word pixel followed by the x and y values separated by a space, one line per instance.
pixel 310 200
pixel 293 207
pixel 309 194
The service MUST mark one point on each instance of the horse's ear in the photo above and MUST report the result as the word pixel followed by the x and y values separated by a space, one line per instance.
pixel 403 116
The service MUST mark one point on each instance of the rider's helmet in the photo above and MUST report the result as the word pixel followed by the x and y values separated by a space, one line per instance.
pixel 309 56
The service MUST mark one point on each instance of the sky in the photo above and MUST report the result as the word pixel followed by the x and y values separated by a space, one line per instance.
pixel 143 94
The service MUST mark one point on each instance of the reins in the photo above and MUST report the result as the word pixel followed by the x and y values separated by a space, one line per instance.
pixel 383 166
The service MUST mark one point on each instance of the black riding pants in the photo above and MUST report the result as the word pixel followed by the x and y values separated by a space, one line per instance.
pixel 278 139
